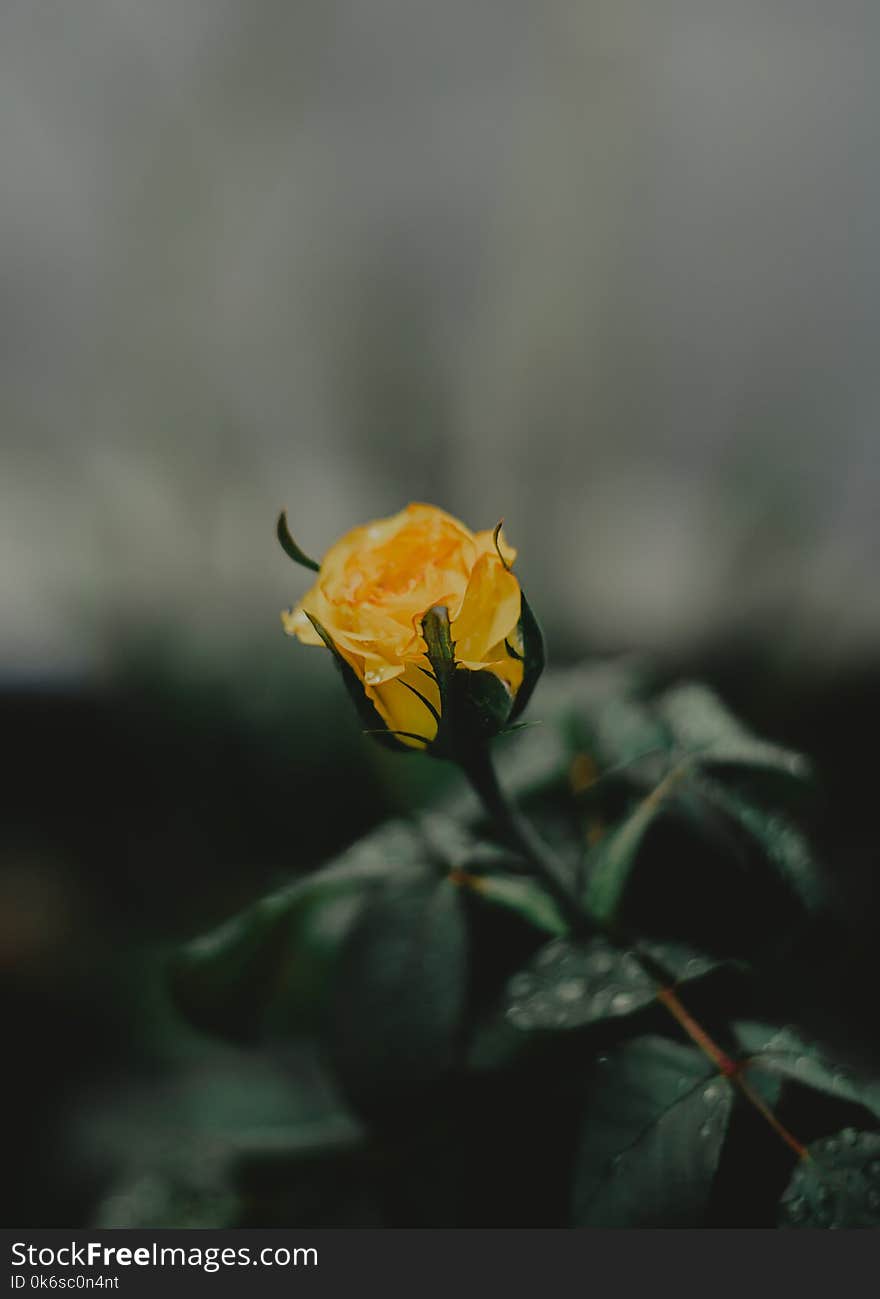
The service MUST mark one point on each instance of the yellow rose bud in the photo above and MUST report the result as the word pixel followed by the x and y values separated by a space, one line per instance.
pixel 373 593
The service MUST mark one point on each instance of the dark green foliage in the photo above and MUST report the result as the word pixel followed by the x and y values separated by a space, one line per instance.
pixel 570 985
pixel 517 894
pixel 268 969
pixel 656 1116
pixel 698 723
pixel 614 858
pixel 399 988
pixel 838 1186
pixel 782 1052
pixel 491 1050
pixel 699 754
pixel 783 847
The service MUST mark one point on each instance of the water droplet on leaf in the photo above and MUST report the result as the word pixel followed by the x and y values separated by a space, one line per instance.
pixel 549 955
pixel 571 990
pixel 520 1017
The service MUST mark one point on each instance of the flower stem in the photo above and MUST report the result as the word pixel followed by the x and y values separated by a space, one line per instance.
pixel 518 833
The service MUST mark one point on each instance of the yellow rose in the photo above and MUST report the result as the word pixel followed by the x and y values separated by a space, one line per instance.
pixel 373 592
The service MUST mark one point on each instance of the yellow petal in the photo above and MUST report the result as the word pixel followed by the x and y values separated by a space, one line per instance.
pixel 489 612
pixel 401 708
pixel 416 520
pixel 505 666
pixel 296 623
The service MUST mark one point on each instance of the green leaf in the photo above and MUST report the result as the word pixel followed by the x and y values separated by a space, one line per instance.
pixel 783 847
pixel 656 1118
pixel 606 710
pixel 783 1052
pixel 699 723
pixel 737 831
pixel 838 1186
pixel 519 894
pixel 611 861
pixel 400 988
pixel 189 1193
pixel 570 985
pixel 267 968
pixel 225 982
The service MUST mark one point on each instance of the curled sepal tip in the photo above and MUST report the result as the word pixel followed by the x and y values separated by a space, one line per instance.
pixel 497 543
pixel 290 548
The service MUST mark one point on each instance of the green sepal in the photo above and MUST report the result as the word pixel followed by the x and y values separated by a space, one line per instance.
pixel 474 705
pixel 291 549
pixel 533 656
pixel 480 704
pixel 437 634
pixel 373 722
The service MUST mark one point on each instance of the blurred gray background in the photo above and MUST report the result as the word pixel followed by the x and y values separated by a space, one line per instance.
pixel 606 269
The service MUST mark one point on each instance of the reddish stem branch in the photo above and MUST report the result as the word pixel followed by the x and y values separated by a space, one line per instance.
pixel 698 1035
pixel 728 1067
